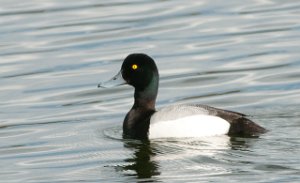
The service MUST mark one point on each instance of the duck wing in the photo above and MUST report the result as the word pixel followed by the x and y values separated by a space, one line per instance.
pixel 240 125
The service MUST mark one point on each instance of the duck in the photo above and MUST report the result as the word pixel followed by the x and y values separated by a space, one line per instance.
pixel 143 121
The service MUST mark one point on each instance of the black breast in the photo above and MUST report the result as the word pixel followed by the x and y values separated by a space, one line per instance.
pixel 136 123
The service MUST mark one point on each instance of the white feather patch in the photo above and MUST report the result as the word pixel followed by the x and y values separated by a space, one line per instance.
pixel 200 125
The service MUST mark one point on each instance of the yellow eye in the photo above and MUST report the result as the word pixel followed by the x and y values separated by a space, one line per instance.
pixel 134 66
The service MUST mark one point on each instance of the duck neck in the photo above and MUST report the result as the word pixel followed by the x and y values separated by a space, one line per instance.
pixel 137 121
pixel 146 97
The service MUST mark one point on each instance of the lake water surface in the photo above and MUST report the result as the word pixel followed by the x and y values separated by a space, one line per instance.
pixel 57 126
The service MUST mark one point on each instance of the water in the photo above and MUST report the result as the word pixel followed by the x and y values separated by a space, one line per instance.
pixel 56 126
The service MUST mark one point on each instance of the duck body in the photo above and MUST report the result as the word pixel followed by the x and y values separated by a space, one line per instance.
pixel 144 122
pixel 181 121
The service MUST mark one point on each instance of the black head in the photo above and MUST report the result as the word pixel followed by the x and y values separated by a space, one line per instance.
pixel 139 70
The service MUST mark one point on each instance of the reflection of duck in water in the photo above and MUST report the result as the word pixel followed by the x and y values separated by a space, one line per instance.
pixel 141 163
pixel 202 154
pixel 143 121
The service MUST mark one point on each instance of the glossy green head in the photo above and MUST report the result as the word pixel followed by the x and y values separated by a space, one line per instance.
pixel 140 71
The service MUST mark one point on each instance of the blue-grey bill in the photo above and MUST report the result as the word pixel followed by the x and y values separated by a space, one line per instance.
pixel 115 81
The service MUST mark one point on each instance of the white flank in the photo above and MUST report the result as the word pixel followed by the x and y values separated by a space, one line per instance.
pixel 201 125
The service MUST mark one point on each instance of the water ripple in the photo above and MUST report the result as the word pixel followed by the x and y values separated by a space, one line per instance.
pixel 56 126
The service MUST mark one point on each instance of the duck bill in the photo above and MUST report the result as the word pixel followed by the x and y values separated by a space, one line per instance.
pixel 115 81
